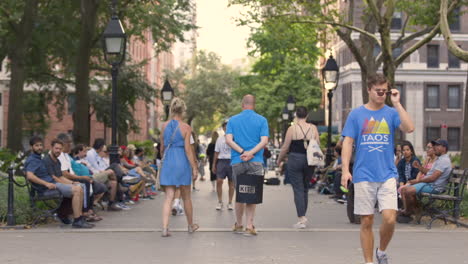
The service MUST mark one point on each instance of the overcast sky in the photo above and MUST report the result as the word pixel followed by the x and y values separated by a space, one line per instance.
pixel 218 31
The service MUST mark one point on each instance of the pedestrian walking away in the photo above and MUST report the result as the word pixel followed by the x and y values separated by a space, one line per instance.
pixel 295 145
pixel 210 152
pixel 179 166
pixel 223 169
pixel 370 128
pixel 247 135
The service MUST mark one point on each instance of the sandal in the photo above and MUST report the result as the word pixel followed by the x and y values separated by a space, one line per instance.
pixel 165 232
pixel 193 228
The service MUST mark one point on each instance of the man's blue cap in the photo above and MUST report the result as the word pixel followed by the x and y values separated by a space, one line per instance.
pixel 441 142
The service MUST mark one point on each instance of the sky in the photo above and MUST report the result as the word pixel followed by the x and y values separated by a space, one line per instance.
pixel 218 31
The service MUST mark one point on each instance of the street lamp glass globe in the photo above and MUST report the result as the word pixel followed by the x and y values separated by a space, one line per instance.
pixel 285 116
pixel 167 95
pixel 114 45
pixel 291 106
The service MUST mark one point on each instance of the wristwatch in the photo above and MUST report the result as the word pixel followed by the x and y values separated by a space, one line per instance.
pixel 242 151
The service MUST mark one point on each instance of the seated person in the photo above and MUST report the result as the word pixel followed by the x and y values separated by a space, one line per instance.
pixel 406 170
pixel 100 171
pixel 46 175
pixel 132 169
pixel 428 162
pixel 434 182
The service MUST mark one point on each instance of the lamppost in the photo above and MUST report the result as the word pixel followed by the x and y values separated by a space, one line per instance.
pixel 330 75
pixel 291 103
pixel 285 117
pixel 278 138
pixel 167 93
pixel 114 42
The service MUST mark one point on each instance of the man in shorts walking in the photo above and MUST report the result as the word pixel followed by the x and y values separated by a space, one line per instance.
pixel 370 128
pixel 223 169
pixel 247 135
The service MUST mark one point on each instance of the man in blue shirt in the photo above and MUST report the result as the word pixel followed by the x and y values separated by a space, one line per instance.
pixel 371 129
pixel 247 135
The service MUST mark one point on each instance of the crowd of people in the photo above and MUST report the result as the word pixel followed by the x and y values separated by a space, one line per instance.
pixel 380 174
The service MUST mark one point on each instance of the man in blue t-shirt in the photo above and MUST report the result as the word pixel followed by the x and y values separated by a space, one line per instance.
pixel 247 135
pixel 370 128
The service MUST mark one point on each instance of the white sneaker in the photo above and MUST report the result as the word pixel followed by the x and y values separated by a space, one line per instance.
pixel 219 206
pixel 299 225
pixel 229 207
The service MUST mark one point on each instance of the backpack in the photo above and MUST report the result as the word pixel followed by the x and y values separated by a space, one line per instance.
pixel 266 153
pixel 272 181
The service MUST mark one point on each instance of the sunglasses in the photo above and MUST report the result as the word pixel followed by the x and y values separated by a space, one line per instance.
pixel 384 92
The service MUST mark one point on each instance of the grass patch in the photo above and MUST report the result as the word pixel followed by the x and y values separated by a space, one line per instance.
pixel 23 212
pixel 464 206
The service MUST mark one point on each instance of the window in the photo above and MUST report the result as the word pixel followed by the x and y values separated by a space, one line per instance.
pixel 455 20
pixel 71 102
pixel 453 137
pixel 432 133
pixel 397 52
pixel 1 99
pixel 453 61
pixel 454 96
pixel 433 56
pixel 400 88
pixel 396 20
pixel 432 96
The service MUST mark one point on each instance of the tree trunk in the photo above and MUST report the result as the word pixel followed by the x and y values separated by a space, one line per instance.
pixel 81 122
pixel 17 54
pixel 464 153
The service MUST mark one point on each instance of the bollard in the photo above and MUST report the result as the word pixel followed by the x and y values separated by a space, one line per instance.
pixel 11 197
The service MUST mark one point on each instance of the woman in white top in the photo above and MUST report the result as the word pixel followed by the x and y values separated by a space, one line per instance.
pixel 295 145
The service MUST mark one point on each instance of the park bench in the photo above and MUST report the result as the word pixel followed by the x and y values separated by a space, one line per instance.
pixel 43 204
pixel 445 206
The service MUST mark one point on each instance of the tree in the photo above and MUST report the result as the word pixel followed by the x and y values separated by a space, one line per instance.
pixel 463 55
pixel 165 19
pixel 17 26
pixel 285 57
pixel 374 32
pixel 207 93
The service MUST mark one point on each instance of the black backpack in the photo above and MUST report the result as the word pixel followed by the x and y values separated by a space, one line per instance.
pixel 272 181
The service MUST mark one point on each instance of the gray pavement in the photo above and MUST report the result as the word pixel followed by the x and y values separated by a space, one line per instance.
pixel 134 236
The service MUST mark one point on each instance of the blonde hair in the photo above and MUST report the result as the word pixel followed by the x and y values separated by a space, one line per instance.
pixel 178 107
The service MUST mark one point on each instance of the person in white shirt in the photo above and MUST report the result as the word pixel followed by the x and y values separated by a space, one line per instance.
pixel 222 168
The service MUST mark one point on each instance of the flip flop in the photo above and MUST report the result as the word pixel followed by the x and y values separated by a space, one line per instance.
pixel 193 228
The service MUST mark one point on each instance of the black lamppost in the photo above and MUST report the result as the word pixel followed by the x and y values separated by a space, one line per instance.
pixel 285 117
pixel 167 93
pixel 291 103
pixel 330 75
pixel 114 42
pixel 278 138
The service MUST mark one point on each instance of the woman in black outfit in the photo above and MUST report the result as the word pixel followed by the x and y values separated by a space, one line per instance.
pixel 295 145
pixel 210 152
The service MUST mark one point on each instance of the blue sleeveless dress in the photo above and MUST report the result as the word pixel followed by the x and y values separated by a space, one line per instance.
pixel 176 168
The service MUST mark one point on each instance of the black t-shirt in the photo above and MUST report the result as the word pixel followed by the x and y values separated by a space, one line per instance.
pixel 53 167
pixel 210 150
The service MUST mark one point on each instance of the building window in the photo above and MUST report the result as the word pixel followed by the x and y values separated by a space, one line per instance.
pixel 71 103
pixel 432 133
pixel 453 137
pixel 433 56
pixel 453 61
pixel 377 50
pixel 1 99
pixel 396 20
pixel 432 96
pixel 455 20
pixel 454 96
pixel 401 89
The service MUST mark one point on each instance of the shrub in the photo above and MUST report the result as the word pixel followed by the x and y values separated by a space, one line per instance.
pixel 23 212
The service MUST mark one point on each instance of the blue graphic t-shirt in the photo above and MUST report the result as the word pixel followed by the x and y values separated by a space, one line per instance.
pixel 373 133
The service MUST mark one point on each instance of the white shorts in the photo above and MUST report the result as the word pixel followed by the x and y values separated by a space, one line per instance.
pixel 366 194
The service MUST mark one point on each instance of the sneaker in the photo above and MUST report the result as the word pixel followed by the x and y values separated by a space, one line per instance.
pixel 129 202
pixel 114 207
pixel 340 200
pixel 146 198
pixel 382 259
pixel 299 225
pixel 237 229
pixel 229 207
pixel 65 220
pixel 404 219
pixel 180 211
pixel 219 207
pixel 123 206
pixel 81 223
pixel 250 232
pixel 174 211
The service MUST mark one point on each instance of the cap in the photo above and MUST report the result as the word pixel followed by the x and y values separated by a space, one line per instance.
pixel 441 142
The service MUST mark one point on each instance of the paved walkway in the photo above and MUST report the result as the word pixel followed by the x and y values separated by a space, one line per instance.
pixel 134 236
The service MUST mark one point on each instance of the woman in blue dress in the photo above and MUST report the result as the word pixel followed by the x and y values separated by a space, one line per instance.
pixel 179 165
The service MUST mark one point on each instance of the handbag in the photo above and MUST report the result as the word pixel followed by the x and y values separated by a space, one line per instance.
pixel 158 177
pixel 249 188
